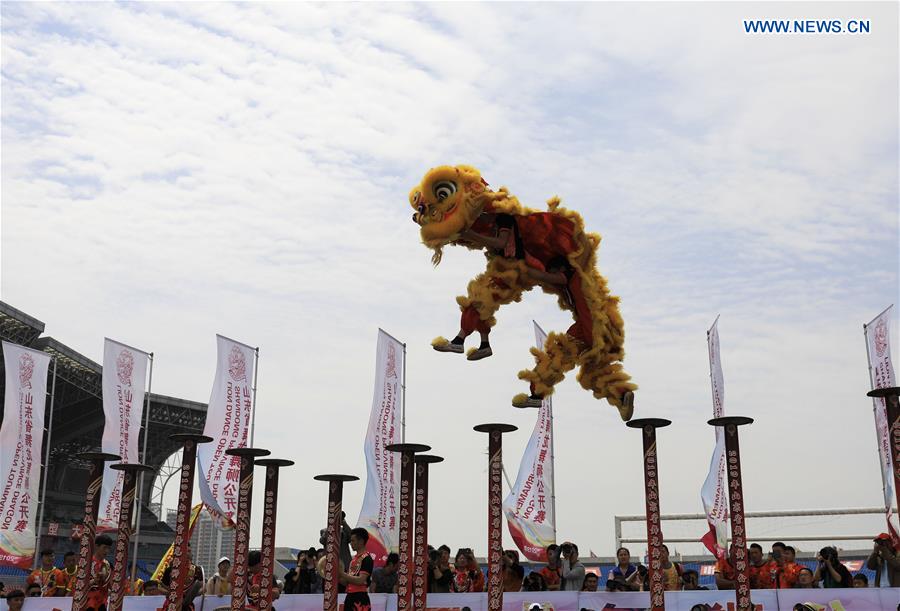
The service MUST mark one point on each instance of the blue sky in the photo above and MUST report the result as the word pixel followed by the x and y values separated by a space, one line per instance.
pixel 172 171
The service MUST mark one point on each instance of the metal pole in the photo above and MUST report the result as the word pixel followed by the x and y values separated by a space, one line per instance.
pixel 552 468
pixel 420 574
pixel 270 509
pixel 403 401
pixel 140 490
pixel 253 413
pixel 333 537
pixel 37 544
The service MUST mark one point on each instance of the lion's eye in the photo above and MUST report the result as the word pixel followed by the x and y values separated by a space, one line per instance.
pixel 415 198
pixel 444 189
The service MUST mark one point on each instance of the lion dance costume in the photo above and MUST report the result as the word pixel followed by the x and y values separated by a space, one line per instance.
pixel 454 206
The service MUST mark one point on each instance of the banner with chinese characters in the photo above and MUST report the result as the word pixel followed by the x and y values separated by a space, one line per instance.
pixel 713 494
pixel 21 443
pixel 881 372
pixel 124 374
pixel 378 514
pixel 529 505
pixel 228 423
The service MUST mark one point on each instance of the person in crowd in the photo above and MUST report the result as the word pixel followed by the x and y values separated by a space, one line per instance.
pixel 384 579
pixel 790 568
pixel 33 591
pixel 98 592
pixel 15 600
pixel 193 581
pixel 725 574
pixel 761 569
pixel 777 550
pixel 468 576
pixel 672 571
pixel 830 571
pixel 885 561
pixel 344 547
pixel 513 572
pixel 690 580
pixel 571 569
pixel 550 573
pixel 219 584
pixel 860 581
pixel 254 579
pixel 616 584
pixel 302 578
pixel 47 577
pixel 70 567
pixel 627 571
pixel 534 582
pixel 783 571
pixel 441 575
pixel 358 574
pixel 590 583
pixel 805 578
pixel 151 588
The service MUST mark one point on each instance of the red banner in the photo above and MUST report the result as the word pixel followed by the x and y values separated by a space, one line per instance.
pixel 405 570
pixel 738 522
pixel 117 586
pixel 239 583
pixel 495 521
pixel 654 531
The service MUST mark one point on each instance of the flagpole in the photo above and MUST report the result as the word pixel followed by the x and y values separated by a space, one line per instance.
pixel 140 492
pixel 253 412
pixel 37 545
pixel 552 467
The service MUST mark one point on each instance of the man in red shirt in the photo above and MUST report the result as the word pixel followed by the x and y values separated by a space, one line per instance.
pixel 98 595
pixel 760 569
pixel 550 573
pixel 358 574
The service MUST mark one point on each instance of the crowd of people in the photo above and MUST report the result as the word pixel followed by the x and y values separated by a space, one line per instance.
pixel 564 571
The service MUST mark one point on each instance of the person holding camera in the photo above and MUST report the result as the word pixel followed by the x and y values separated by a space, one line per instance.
pixel 690 581
pixel 571 570
pixel 830 571
pixel 441 575
pixel 885 561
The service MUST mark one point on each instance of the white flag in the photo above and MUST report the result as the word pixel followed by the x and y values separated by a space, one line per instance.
pixel 228 423
pixel 529 505
pixel 124 375
pixel 380 505
pixel 713 493
pixel 881 372
pixel 21 443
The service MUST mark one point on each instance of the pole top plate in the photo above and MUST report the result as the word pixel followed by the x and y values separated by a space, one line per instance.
pixel 335 477
pixel 131 466
pixel 407 447
pixel 196 438
pixel 726 420
pixel 639 423
pixel 247 452
pixel 274 462
pixel 427 459
pixel 891 391
pixel 495 426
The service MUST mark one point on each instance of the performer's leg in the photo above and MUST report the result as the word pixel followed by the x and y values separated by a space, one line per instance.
pixel 560 354
pixel 607 379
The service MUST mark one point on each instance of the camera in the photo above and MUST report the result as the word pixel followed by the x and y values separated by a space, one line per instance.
pixel 642 570
pixel 565 549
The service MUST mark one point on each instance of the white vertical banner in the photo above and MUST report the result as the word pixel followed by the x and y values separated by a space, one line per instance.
pixel 380 505
pixel 124 379
pixel 21 443
pixel 713 493
pixel 529 506
pixel 228 423
pixel 881 375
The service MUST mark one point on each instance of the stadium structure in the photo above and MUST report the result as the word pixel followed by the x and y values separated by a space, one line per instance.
pixel 78 427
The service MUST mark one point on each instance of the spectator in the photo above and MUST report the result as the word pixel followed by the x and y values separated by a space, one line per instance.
pixel 33 591
pixel 627 571
pixel 441 575
pixel 384 579
pixel 777 547
pixel 15 600
pixel 534 582
pixel 885 561
pixel 805 579
pixel 690 581
pixel 193 582
pixel 672 571
pixel 783 571
pixel 467 576
pixel 344 546
pixel 151 588
pixel 616 584
pixel 571 570
pixel 219 584
pixel 725 574
pixel 513 573
pixel 550 573
pixel 830 571
pixel 860 581
pixel 762 571
pixel 590 583
pixel 358 575
pixel 303 579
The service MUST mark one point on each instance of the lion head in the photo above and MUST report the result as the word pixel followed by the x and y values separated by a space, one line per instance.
pixel 447 202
